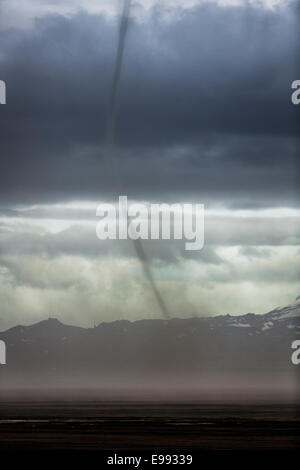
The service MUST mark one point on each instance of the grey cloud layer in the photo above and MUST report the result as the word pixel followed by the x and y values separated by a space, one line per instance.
pixel 82 289
pixel 81 240
pixel 204 108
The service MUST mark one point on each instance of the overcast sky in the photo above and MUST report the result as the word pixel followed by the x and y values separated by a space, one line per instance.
pixel 204 115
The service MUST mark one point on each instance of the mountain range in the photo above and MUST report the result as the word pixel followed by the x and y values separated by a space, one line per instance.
pixel 247 352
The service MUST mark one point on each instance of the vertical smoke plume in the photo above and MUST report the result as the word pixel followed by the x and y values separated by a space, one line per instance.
pixel 110 148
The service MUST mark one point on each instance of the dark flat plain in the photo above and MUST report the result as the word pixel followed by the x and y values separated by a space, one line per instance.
pixel 124 426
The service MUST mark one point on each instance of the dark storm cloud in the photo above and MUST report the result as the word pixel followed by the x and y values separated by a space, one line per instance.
pixel 204 108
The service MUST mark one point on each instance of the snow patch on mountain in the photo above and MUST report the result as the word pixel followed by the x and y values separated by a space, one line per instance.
pixel 267 325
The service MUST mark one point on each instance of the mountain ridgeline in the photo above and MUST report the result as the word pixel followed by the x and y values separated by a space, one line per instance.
pixel 248 353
